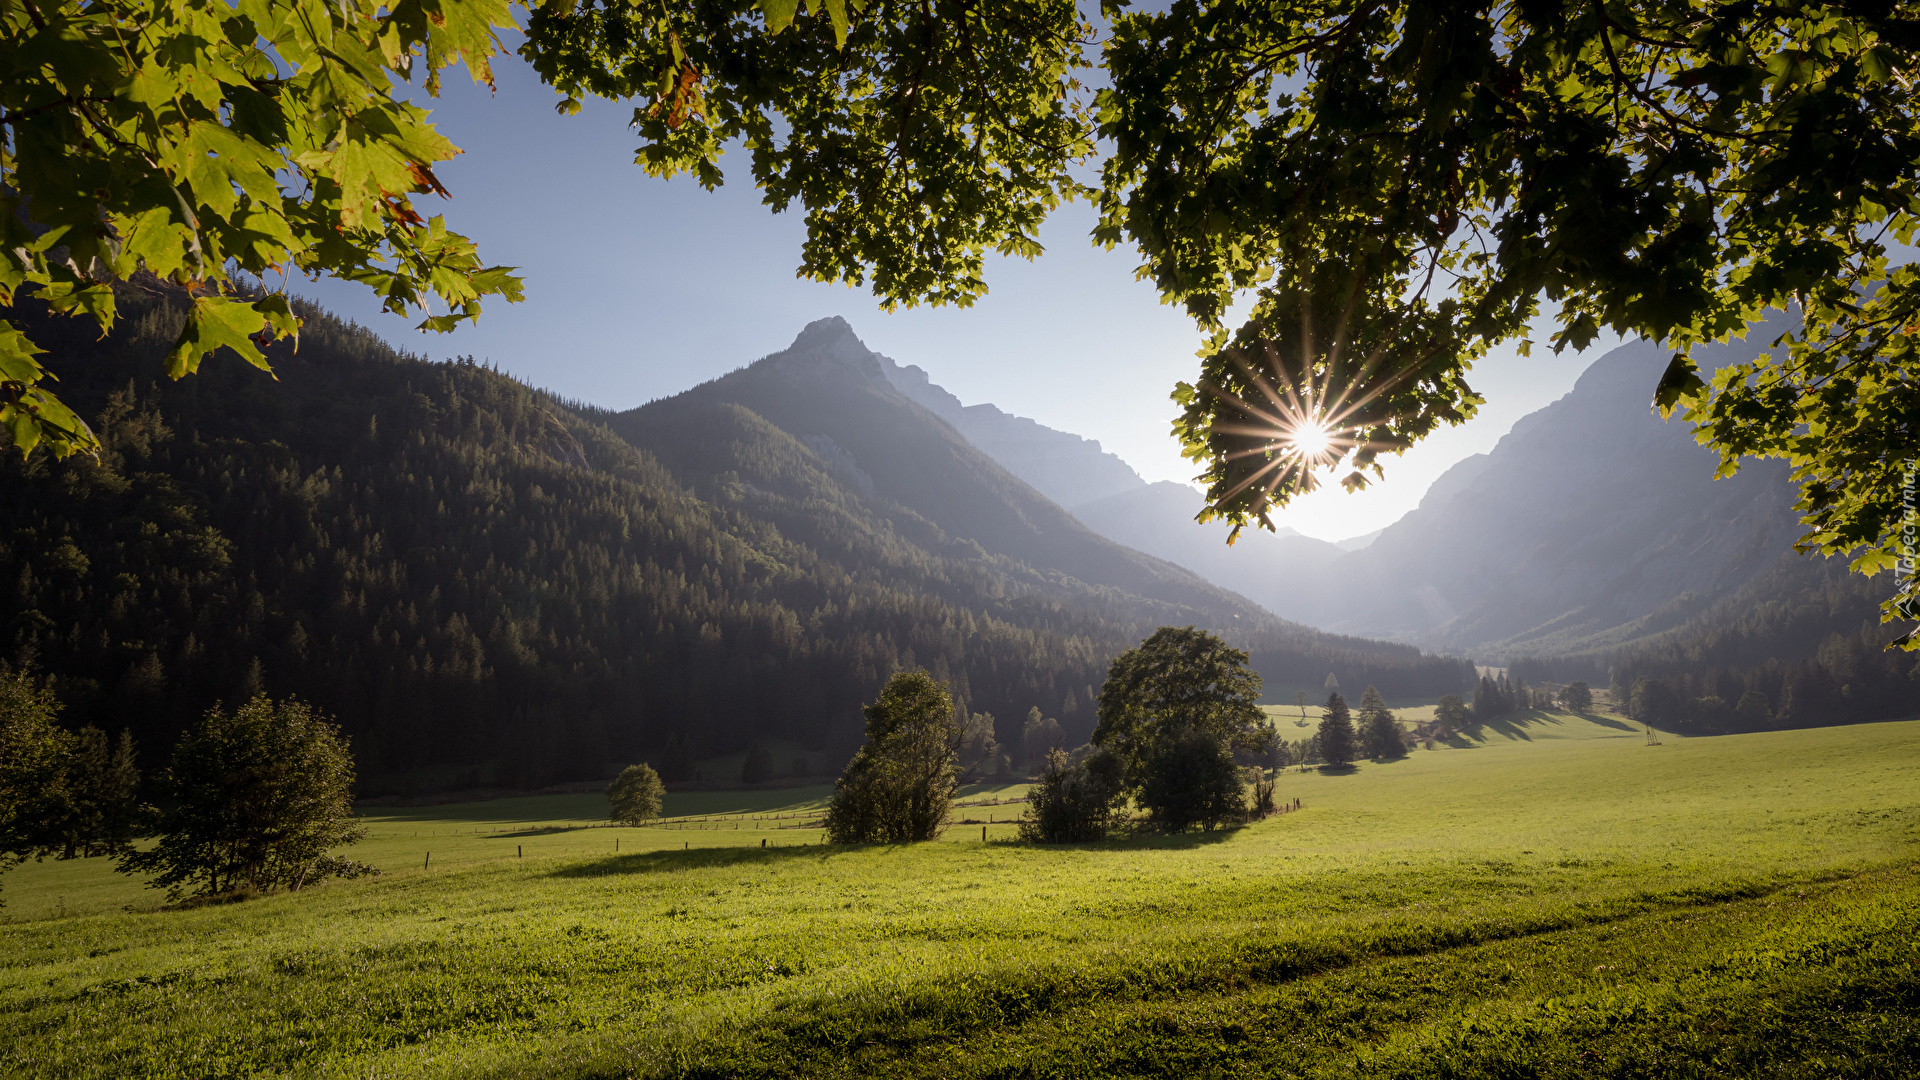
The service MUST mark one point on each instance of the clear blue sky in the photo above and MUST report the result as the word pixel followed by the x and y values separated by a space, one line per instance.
pixel 639 288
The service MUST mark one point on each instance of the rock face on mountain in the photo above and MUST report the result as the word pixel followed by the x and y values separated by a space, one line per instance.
pixel 1591 523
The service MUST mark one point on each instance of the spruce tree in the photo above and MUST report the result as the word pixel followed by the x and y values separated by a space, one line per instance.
pixel 1380 735
pixel 103 808
pixel 758 766
pixel 1336 737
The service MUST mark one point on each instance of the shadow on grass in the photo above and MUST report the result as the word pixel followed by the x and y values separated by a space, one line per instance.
pixel 654 862
pixel 1517 726
pixel 1338 770
pixel 1607 721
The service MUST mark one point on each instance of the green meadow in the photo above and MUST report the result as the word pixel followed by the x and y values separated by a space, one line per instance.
pixel 1550 897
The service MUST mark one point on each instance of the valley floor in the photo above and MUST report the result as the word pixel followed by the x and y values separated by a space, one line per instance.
pixel 1555 898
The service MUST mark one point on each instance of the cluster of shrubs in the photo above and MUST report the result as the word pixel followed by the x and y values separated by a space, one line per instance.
pixel 1178 722
pixel 256 797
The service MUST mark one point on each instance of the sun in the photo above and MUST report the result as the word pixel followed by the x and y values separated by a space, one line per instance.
pixel 1310 440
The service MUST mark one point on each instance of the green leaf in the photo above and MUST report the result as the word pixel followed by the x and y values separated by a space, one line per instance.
pixel 215 323
pixel 779 13
pixel 1680 384
pixel 17 352
pixel 837 11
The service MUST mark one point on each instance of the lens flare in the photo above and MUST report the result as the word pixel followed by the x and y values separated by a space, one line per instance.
pixel 1310 440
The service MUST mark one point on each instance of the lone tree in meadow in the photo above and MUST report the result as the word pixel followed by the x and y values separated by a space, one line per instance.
pixel 1336 736
pixel 899 787
pixel 1173 710
pixel 1577 697
pixel 260 795
pixel 636 795
pixel 1380 734
pixel 1452 713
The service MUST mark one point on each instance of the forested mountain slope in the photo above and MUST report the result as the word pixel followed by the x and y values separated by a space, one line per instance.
pixel 488 587
pixel 1800 645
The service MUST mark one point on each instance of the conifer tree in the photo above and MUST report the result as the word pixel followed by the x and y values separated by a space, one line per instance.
pixel 1380 735
pixel 1336 737
pixel 758 766
pixel 103 809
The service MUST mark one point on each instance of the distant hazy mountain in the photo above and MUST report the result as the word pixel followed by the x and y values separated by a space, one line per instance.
pixel 831 392
pixel 1158 519
pixel 1591 523
pixel 1062 466
pixel 1106 494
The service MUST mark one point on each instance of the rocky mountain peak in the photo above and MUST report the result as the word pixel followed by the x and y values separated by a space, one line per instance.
pixel 833 339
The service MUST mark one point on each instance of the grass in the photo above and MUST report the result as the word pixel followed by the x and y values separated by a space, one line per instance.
pixel 1553 898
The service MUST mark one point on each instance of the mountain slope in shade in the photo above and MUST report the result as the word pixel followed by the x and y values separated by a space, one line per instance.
pixel 1062 466
pixel 1591 522
pixel 831 392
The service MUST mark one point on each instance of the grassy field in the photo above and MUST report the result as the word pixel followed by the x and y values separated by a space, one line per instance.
pixel 1551 898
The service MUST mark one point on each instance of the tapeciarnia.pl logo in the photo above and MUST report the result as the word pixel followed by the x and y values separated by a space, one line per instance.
pixel 1909 602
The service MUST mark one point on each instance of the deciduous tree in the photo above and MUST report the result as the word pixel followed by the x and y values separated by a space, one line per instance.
pixel 1173 710
pixel 34 758
pixel 899 787
pixel 1074 802
pixel 260 795
pixel 636 796
pixel 1397 188
pixel 1577 697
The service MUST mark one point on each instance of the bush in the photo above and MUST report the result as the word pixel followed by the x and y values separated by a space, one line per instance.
pixel 899 787
pixel 636 795
pixel 1074 803
pixel 1192 779
pixel 1262 792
